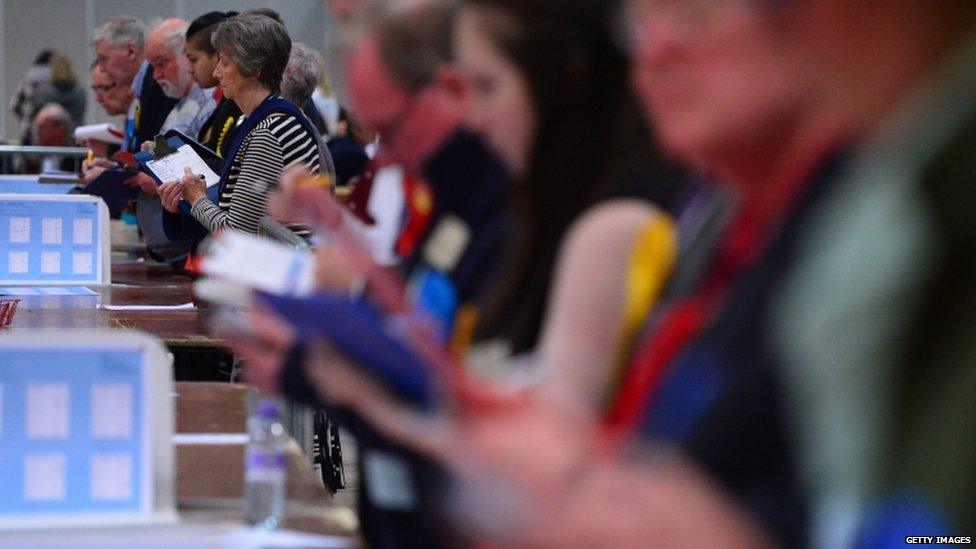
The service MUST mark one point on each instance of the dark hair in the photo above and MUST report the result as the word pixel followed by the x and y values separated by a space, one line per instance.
pixel 200 31
pixel 44 57
pixel 590 142
pixel 258 45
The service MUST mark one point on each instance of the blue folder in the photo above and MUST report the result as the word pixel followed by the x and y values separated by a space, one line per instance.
pixel 362 335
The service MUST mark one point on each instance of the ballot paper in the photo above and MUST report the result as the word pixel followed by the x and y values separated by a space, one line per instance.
pixel 259 263
pixel 171 166
pixel 106 133
pixel 183 307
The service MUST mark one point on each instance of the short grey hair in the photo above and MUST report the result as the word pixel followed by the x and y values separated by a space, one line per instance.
pixel 257 45
pixel 174 33
pixel 121 30
pixel 301 75
pixel 57 113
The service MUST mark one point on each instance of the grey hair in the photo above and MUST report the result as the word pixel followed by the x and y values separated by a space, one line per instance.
pixel 257 45
pixel 121 30
pixel 173 34
pixel 301 75
pixel 58 113
pixel 415 41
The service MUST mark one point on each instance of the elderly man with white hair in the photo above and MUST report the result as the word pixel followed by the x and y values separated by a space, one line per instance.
pixel 119 49
pixel 171 69
pixel 164 52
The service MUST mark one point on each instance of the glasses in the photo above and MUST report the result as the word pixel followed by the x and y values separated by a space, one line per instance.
pixel 103 89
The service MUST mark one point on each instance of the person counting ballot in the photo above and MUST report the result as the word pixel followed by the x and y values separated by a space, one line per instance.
pixel 554 189
pixel 274 136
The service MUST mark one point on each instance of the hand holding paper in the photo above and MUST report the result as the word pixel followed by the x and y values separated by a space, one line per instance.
pixel 194 186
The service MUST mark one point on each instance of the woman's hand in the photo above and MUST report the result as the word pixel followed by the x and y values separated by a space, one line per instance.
pixel 194 187
pixel 170 193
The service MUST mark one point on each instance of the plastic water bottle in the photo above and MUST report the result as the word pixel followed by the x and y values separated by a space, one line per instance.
pixel 264 466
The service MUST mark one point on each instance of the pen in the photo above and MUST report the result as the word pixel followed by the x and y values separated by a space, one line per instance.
pixel 321 181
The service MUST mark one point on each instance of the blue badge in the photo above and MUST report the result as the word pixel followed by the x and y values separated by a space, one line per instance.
pixel 435 295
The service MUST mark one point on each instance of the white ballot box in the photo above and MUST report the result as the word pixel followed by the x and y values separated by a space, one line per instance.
pixel 54 240
pixel 86 421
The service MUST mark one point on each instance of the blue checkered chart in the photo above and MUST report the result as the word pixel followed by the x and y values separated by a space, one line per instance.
pixel 73 432
pixel 53 241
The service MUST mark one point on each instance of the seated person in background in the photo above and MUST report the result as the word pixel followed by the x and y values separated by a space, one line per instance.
pixel 217 130
pixel 171 69
pixel 275 135
pixel 114 98
pixel 119 47
pixel 348 148
pixel 51 128
pixel 164 50
pixel 297 85
pixel 324 97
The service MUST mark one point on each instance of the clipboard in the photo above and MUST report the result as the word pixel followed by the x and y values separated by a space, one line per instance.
pixel 173 151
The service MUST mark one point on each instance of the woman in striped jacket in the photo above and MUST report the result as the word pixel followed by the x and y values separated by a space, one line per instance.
pixel 273 136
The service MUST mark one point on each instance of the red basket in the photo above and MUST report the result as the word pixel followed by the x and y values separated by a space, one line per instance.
pixel 8 306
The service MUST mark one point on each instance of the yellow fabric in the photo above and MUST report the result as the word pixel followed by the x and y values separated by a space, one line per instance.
pixel 464 324
pixel 651 262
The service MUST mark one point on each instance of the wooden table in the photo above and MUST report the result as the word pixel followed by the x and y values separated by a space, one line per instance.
pixel 185 332
pixel 210 477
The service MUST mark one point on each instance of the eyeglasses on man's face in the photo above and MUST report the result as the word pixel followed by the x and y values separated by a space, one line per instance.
pixel 103 89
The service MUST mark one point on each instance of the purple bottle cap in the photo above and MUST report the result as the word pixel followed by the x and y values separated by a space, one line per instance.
pixel 268 409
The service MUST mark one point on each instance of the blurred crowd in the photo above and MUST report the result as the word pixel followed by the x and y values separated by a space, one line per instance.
pixel 647 272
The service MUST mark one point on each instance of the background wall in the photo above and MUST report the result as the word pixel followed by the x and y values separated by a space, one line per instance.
pixel 29 26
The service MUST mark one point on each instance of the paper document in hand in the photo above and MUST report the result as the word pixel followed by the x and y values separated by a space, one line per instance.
pixel 259 263
pixel 106 133
pixel 171 167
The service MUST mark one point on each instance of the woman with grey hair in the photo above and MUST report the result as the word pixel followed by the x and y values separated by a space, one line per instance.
pixel 274 136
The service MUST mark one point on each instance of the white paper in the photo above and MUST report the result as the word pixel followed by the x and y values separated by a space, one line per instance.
pixel 81 231
pixel 19 230
pixel 254 538
pixel 106 133
pixel 17 262
pixel 50 262
pixel 171 167
pixel 51 228
pixel 111 411
pixel 183 307
pixel 81 263
pixel 44 477
pixel 208 439
pixel 111 477
pixel 260 263
pixel 48 410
